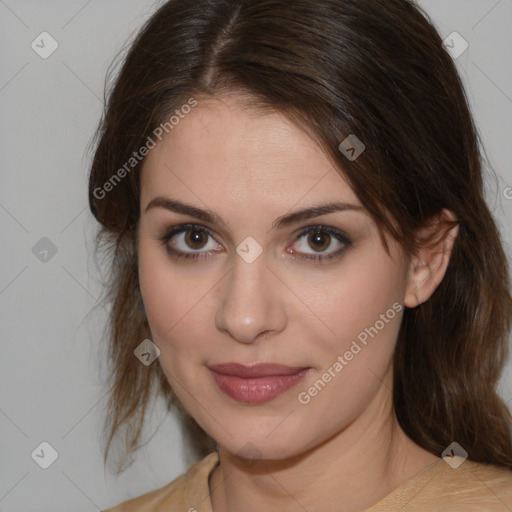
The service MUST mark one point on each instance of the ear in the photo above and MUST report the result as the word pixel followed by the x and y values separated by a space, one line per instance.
pixel 428 266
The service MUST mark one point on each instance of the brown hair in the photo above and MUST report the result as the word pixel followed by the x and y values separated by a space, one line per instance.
pixel 335 67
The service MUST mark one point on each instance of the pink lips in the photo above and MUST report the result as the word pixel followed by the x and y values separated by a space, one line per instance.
pixel 258 383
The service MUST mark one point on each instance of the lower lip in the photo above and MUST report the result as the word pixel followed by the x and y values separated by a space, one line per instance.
pixel 256 390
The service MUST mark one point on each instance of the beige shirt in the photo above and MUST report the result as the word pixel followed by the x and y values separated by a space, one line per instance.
pixel 471 487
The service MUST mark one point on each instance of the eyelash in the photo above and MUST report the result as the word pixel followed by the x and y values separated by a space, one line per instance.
pixel 198 255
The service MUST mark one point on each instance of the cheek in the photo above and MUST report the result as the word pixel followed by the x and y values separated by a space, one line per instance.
pixel 152 288
pixel 162 293
pixel 362 305
pixel 364 312
pixel 174 300
pixel 371 292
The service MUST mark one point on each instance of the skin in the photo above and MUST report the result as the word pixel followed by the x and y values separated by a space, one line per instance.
pixel 251 168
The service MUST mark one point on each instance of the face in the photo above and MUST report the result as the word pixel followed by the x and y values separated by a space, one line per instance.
pixel 256 282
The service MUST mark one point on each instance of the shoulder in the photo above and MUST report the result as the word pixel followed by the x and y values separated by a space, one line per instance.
pixel 187 492
pixel 485 484
pixel 470 487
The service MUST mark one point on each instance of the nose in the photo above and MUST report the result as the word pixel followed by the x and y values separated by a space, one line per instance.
pixel 252 301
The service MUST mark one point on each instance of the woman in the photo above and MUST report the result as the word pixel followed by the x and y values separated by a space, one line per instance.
pixel 303 261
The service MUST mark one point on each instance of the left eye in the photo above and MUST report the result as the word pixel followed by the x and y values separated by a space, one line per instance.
pixel 319 239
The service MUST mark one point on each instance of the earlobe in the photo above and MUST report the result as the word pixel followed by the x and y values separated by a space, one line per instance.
pixel 427 267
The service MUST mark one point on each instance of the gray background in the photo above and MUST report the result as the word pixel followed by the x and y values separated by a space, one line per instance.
pixel 51 385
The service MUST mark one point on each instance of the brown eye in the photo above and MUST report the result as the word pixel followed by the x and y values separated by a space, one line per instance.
pixel 196 239
pixel 190 241
pixel 319 241
pixel 320 244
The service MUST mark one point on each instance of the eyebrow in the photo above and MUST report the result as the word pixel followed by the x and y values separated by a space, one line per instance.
pixel 285 220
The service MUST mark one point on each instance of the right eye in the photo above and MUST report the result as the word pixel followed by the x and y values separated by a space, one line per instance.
pixel 189 241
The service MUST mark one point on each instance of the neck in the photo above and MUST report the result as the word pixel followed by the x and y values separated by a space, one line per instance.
pixel 349 472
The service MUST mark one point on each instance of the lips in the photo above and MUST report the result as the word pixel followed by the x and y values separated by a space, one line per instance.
pixel 255 371
pixel 256 384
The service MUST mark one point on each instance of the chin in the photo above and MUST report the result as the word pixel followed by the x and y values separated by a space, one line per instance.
pixel 263 447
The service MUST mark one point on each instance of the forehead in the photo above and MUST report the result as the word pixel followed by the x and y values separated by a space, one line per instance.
pixel 226 148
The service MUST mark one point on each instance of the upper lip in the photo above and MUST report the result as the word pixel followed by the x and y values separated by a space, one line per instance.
pixel 257 370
